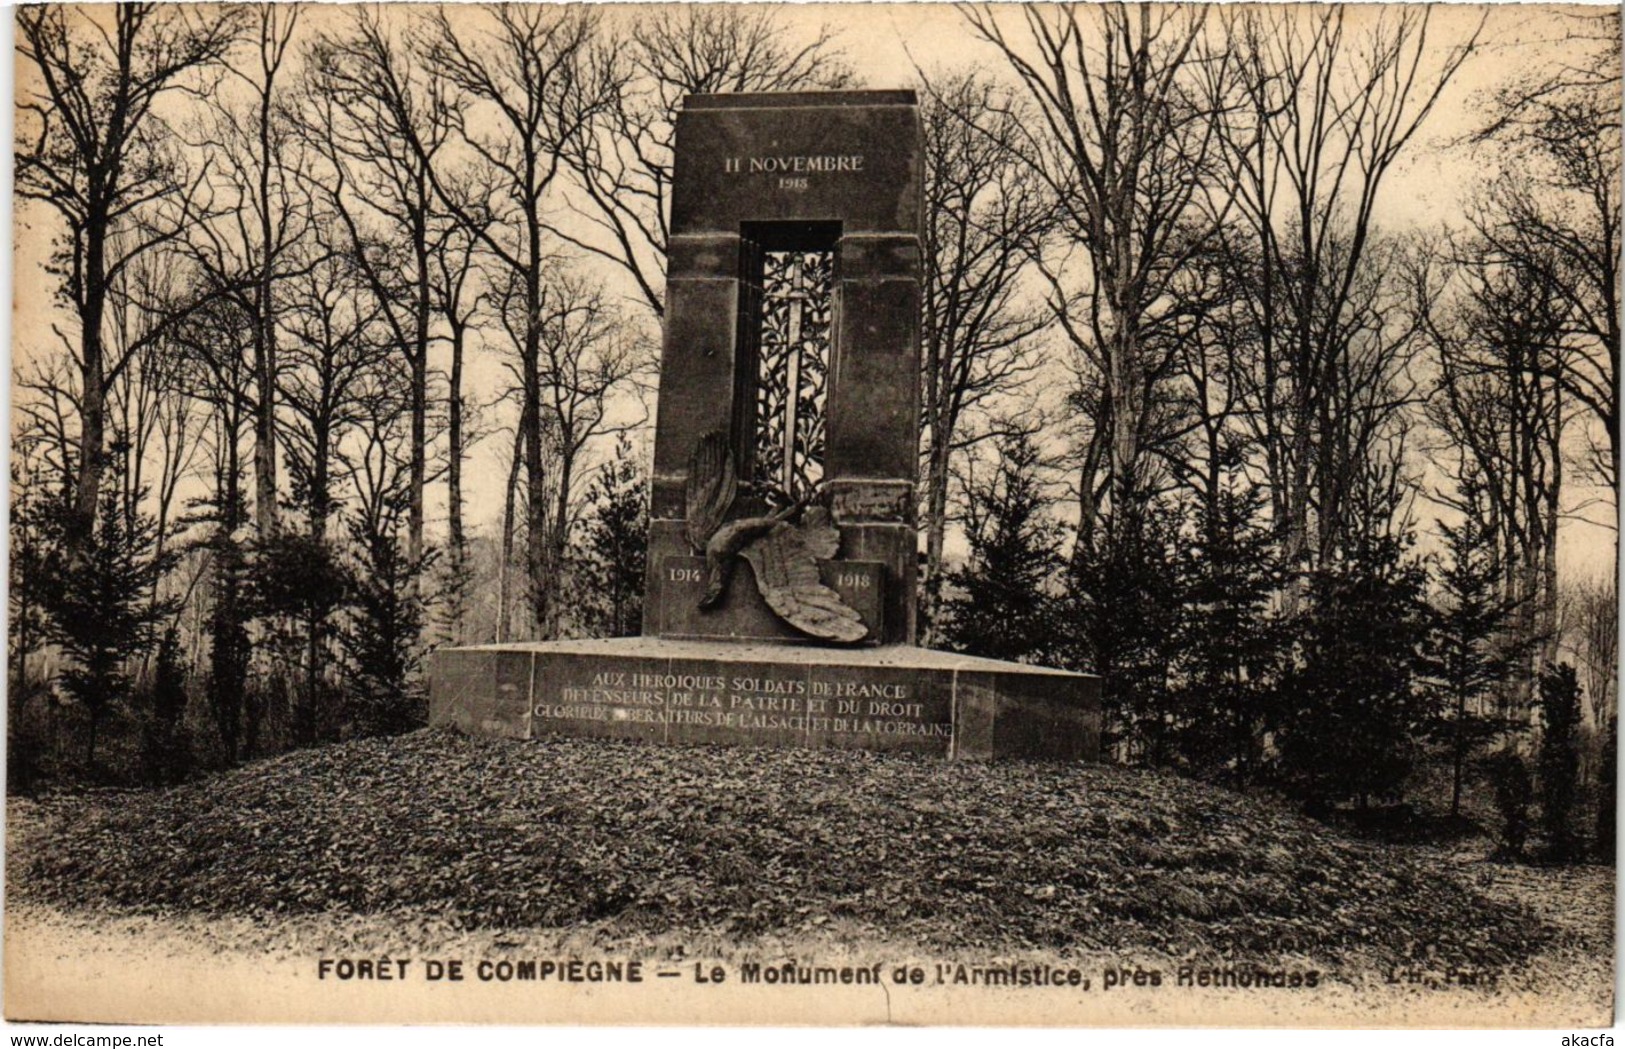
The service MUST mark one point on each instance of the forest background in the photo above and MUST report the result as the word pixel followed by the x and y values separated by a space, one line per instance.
pixel 1269 371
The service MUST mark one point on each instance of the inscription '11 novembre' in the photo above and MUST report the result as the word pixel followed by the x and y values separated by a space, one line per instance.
pixel 793 165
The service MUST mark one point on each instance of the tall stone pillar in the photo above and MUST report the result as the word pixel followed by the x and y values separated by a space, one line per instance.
pixel 792 329
pixel 795 172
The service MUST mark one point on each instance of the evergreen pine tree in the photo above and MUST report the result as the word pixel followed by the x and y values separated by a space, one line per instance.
pixel 102 610
pixel 1229 643
pixel 1351 710
pixel 381 640
pixel 1473 649
pixel 229 645
pixel 1003 606
pixel 613 549
pixel 296 589
pixel 454 595
pixel 1121 617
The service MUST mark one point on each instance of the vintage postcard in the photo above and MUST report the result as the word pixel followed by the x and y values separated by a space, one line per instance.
pixel 905 514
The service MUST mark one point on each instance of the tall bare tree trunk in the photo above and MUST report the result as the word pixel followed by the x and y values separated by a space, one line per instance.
pixel 1550 510
pixel 558 540
pixel 936 528
pixel 265 340
pixel 420 385
pixel 93 395
pixel 505 561
pixel 454 425
pixel 1123 393
pixel 540 584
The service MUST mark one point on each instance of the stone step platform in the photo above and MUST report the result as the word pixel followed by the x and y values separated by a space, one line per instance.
pixel 661 690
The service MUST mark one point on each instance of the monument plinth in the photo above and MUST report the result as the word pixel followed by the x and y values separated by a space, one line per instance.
pixel 888 697
pixel 779 605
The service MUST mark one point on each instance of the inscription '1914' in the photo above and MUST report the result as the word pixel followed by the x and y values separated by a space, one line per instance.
pixel 794 165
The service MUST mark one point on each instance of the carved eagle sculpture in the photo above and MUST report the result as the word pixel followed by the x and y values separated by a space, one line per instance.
pixel 783 555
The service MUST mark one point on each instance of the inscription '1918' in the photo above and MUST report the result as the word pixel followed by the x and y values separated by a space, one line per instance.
pixel 800 165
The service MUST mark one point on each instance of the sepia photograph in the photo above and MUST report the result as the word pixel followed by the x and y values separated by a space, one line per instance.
pixel 914 514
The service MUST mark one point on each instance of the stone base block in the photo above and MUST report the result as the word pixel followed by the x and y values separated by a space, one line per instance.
pixel 669 691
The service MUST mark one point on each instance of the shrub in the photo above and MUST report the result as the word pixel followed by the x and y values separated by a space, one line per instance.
pixel 166 704
pixel 1559 757
pixel 1606 792
pixel 1514 794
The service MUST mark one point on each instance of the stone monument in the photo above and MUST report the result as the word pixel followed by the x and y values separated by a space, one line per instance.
pixel 779 605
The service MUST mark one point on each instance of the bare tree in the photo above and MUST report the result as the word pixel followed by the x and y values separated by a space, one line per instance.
pixel 256 240
pixel 379 119
pixel 459 299
pixel 527 84
pixel 156 416
pixel 462 297
pixel 1497 399
pixel 510 489
pixel 91 147
pixel 332 345
pixel 1125 141
pixel 218 373
pixel 587 352
pixel 1329 101
pixel 1526 100
pixel 986 214
pixel 621 160
pixel 332 321
pixel 1209 446
pixel 46 403
pixel 1555 210
pixel 1590 612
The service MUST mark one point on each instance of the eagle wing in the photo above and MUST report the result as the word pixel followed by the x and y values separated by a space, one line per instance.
pixel 785 562
pixel 712 485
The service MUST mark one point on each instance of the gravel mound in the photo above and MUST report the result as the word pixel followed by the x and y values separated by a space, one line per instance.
pixel 638 838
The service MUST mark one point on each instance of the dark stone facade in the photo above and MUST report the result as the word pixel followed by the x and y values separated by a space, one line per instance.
pixel 797 171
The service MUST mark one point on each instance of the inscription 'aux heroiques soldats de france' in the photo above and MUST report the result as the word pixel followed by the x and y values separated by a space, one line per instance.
pixel 748 702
